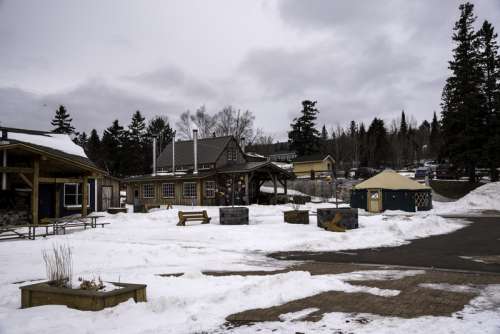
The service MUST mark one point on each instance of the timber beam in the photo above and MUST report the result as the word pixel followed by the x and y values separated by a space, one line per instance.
pixel 61 180
pixel 26 180
pixel 16 170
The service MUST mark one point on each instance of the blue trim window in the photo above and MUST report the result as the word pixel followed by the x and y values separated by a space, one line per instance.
pixel 73 195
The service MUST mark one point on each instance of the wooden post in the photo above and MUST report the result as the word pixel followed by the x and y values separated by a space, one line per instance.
pixel 34 191
pixel 285 188
pixel 200 192
pixel 85 195
pixel 57 201
pixel 275 189
pixel 247 193
pixel 4 175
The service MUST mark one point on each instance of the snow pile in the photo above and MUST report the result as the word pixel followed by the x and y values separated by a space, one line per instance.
pixel 55 141
pixel 280 190
pixel 486 197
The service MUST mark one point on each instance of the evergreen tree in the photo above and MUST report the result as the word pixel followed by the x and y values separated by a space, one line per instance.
pixel 490 62
pixel 136 145
pixel 462 105
pixel 94 150
pixel 158 127
pixel 62 122
pixel 304 138
pixel 324 140
pixel 378 149
pixel 363 147
pixel 324 133
pixel 112 149
pixel 403 136
pixel 435 138
pixel 353 134
pixel 81 140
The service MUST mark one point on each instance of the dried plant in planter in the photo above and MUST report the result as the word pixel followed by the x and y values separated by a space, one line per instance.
pixel 59 265
pixel 92 285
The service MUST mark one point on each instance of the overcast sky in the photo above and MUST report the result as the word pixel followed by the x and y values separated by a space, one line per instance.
pixel 105 59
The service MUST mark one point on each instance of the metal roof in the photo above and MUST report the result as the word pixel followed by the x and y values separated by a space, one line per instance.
pixel 313 157
pixel 209 150
pixel 389 179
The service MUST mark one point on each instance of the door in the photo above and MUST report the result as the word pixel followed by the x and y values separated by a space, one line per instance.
pixel 46 201
pixel 107 196
pixel 374 200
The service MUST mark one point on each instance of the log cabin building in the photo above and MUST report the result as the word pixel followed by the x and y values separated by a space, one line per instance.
pixel 209 171
pixel 43 175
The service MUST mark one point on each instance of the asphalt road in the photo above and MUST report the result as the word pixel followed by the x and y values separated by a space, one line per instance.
pixel 448 251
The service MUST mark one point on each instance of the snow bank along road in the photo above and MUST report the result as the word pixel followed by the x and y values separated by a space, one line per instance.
pixel 137 247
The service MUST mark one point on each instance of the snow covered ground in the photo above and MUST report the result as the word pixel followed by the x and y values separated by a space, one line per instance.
pixel 136 247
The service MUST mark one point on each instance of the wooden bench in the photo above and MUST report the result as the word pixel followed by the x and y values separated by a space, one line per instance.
pixel 193 216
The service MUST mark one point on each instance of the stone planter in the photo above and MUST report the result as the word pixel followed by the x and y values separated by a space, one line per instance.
pixel 114 211
pixel 44 294
pixel 344 217
pixel 233 216
pixel 296 216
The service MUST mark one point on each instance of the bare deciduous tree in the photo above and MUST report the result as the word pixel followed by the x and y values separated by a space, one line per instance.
pixel 236 123
pixel 201 120
pixel 184 126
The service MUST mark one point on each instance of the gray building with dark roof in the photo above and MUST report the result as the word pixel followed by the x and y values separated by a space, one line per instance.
pixel 208 171
pixel 46 175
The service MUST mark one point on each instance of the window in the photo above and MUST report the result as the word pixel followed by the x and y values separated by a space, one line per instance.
pixel 168 190
pixel 189 190
pixel 148 190
pixel 231 154
pixel 73 194
pixel 210 189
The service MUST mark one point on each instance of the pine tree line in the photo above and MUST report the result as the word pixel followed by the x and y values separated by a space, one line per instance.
pixel 402 144
pixel 120 151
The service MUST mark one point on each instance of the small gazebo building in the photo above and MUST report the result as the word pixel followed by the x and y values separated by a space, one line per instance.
pixel 389 190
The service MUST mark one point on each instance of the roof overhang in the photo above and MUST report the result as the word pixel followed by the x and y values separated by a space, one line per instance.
pixel 52 155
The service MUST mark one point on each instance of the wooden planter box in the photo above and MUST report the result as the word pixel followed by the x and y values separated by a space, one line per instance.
pixel 345 217
pixel 44 294
pixel 116 210
pixel 297 217
pixel 233 216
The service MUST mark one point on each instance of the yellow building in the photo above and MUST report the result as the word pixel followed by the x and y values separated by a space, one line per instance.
pixel 313 166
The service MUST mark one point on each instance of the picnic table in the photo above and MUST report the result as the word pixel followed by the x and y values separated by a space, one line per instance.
pixel 56 224
pixel 61 224
pixel 15 231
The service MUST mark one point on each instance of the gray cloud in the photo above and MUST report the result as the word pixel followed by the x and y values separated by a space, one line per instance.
pixel 93 104
pixel 172 79
pixel 359 59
